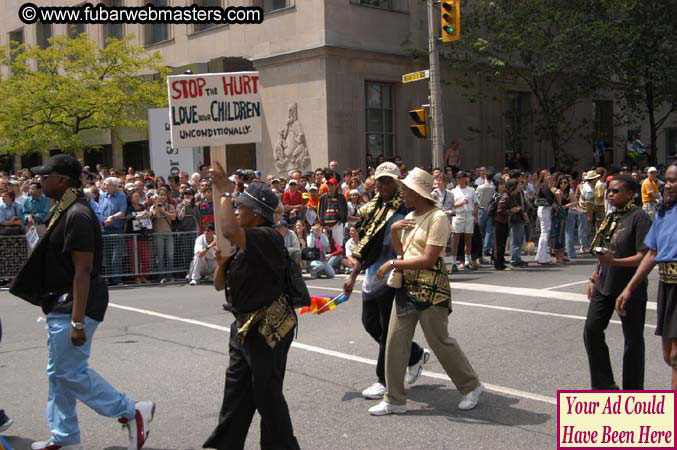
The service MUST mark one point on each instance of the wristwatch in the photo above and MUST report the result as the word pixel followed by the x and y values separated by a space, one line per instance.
pixel 227 195
pixel 78 325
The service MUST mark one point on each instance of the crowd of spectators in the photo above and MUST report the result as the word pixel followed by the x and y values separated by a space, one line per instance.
pixel 173 218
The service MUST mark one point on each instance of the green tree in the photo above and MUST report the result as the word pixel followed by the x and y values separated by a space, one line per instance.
pixel 51 95
pixel 554 47
pixel 645 63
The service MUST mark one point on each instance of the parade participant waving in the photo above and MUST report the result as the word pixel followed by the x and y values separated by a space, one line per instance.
pixel 619 245
pixel 425 297
pixel 374 248
pixel 264 324
pixel 662 251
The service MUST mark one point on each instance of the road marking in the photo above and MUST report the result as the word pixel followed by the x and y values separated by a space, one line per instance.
pixel 346 356
pixel 524 292
pixel 566 285
pixel 505 308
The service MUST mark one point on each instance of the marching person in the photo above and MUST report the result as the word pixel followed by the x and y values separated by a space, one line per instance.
pixel 374 249
pixel 619 242
pixel 263 330
pixel 662 251
pixel 425 298
pixel 74 298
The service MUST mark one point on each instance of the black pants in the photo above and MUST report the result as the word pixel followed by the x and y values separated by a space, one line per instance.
pixel 375 319
pixel 254 382
pixel 501 234
pixel 599 313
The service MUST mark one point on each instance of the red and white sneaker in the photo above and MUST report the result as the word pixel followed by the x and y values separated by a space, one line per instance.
pixel 50 445
pixel 139 428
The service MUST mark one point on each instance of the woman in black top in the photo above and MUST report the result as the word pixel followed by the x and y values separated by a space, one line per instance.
pixel 262 333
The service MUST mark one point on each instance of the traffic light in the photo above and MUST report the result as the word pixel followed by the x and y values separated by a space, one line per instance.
pixel 420 129
pixel 451 20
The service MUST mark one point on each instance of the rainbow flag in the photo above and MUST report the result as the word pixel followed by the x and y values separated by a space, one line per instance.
pixel 320 305
pixel 4 445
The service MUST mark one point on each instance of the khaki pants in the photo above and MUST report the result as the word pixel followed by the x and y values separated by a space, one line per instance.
pixel 434 321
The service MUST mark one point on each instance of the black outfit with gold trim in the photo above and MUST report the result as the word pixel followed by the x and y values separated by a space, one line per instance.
pixel 260 338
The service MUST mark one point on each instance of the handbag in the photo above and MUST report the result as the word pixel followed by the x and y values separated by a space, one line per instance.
pixel 395 278
pixel 311 254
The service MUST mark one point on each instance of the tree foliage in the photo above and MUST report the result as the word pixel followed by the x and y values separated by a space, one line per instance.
pixel 644 41
pixel 51 96
pixel 553 47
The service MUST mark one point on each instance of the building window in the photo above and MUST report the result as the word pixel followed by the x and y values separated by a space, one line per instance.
pixel 156 32
pixel 517 117
pixel 603 132
pixel 273 5
pixel 75 29
pixel 393 5
pixel 16 41
pixel 43 31
pixel 379 109
pixel 204 3
pixel 113 30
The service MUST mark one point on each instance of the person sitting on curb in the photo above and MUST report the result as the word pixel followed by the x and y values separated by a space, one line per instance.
pixel 204 263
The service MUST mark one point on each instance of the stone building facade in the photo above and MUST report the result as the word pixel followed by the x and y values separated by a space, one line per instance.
pixel 339 64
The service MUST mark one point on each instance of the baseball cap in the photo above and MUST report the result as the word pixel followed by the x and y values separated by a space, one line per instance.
pixel 651 169
pixel 354 192
pixel 293 181
pixel 312 188
pixel 61 164
pixel 461 174
pixel 387 169
pixel 282 223
pixel 332 181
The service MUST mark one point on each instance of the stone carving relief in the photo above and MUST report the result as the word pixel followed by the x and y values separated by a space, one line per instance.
pixel 291 150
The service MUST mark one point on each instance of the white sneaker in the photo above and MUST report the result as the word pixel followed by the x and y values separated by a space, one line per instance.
pixel 415 371
pixel 470 400
pixel 374 392
pixel 50 445
pixel 139 428
pixel 383 409
pixel 193 282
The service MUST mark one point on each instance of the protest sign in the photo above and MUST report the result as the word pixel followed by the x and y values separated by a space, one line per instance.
pixel 214 109
pixel 165 159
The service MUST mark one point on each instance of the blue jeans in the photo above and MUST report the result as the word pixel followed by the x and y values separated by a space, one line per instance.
pixel 569 227
pixel 583 229
pixel 71 379
pixel 321 267
pixel 516 241
pixel 486 230
pixel 113 242
pixel 335 262
pixel 164 252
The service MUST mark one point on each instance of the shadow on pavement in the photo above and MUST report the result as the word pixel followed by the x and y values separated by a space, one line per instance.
pixel 18 443
pixel 441 400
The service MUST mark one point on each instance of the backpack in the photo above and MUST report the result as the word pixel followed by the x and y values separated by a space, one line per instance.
pixel 493 205
pixel 296 290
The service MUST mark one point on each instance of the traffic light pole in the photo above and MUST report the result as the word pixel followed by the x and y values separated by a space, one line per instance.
pixel 436 116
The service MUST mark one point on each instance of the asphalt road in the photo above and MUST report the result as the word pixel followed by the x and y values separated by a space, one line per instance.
pixel 522 330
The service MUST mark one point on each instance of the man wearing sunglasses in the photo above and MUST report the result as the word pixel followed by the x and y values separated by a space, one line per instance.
pixel 619 246
pixel 74 297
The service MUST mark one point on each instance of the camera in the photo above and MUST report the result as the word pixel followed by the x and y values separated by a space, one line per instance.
pixel 599 251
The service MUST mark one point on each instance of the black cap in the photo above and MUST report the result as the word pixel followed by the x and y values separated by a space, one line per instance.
pixel 188 191
pixel 260 199
pixel 282 223
pixel 61 164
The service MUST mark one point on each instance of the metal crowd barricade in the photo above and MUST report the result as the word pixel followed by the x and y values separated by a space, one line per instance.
pixel 135 255
pixel 124 255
